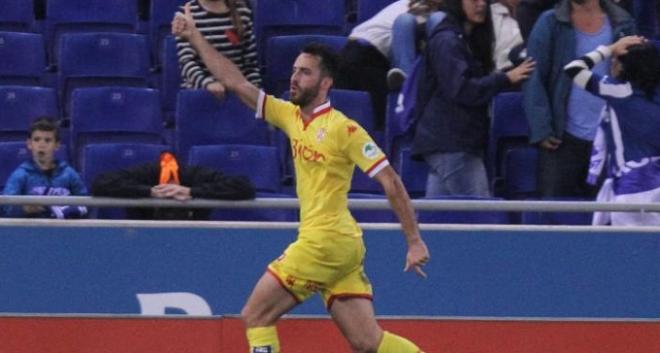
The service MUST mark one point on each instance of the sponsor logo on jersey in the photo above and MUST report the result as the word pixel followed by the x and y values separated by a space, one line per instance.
pixel 351 129
pixel 307 153
pixel 264 349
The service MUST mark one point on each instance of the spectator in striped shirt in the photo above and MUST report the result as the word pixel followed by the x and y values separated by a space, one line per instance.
pixel 227 25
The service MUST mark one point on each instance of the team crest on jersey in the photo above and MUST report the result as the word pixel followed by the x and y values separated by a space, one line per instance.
pixel 370 150
pixel 320 134
pixel 351 129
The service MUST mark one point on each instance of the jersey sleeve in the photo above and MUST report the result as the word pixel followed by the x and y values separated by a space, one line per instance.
pixel 361 148
pixel 278 112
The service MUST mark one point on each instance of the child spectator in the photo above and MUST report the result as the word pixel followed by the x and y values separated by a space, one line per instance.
pixel 44 175
pixel 627 139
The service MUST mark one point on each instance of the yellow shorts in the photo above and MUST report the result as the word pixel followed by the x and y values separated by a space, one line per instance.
pixel 332 265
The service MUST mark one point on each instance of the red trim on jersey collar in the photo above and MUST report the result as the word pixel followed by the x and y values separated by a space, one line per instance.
pixel 318 111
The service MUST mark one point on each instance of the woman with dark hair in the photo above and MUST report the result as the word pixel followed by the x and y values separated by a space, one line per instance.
pixel 456 87
pixel 627 140
pixel 227 25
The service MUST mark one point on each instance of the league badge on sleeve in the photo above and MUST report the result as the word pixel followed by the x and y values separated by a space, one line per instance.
pixel 370 150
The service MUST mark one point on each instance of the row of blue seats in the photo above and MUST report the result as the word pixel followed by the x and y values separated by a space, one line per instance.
pixel 240 160
pixel 123 114
pixel 270 18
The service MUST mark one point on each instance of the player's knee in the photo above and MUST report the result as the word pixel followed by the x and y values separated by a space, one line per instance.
pixel 252 317
pixel 248 316
pixel 364 344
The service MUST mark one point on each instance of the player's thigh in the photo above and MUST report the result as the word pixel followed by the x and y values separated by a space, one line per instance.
pixel 356 320
pixel 268 301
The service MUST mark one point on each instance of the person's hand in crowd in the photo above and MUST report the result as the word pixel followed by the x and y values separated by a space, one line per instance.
pixel 620 47
pixel 171 191
pixel 521 72
pixel 550 143
pixel 183 25
pixel 217 89
pixel 32 209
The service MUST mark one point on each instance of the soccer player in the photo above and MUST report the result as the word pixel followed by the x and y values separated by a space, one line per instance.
pixel 328 255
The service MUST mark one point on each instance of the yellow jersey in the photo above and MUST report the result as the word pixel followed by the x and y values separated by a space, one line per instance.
pixel 325 150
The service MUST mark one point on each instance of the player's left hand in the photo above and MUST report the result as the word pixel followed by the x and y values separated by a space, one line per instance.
pixel 417 257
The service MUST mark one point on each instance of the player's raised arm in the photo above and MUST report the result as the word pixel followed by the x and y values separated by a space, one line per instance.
pixel 418 253
pixel 225 71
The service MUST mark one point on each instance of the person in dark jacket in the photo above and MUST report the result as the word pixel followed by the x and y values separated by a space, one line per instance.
pixel 44 175
pixel 165 179
pixel 457 86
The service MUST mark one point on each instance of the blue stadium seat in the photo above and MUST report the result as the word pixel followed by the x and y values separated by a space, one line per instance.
pixel 202 119
pixel 109 157
pixel 20 106
pixel 16 15
pixel 161 13
pixel 113 114
pixel 23 59
pixel 287 17
pixel 241 160
pixel 170 78
pixel 464 217
pixel 281 52
pixel 509 128
pixel 558 218
pixel 519 172
pixel 395 139
pixel 101 59
pixel 76 16
pixel 413 173
pixel 355 105
pixel 372 216
pixel 14 153
pixel 367 8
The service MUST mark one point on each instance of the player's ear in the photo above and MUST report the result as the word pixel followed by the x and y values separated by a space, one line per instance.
pixel 327 82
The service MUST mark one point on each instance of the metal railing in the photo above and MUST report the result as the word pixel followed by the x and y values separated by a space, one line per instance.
pixel 371 204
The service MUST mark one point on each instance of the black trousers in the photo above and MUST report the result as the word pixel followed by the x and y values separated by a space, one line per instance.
pixel 563 172
pixel 364 68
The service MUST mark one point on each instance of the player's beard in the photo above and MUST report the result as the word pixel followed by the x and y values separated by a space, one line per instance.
pixel 305 95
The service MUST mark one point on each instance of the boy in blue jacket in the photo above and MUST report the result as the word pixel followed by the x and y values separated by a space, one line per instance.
pixel 44 175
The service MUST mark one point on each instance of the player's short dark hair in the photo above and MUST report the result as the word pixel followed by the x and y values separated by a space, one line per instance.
pixel 641 66
pixel 329 59
pixel 45 124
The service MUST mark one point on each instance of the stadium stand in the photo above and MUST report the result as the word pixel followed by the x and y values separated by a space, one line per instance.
pixel 519 174
pixel 101 59
pixel 16 15
pixel 160 22
pixel 259 163
pixel 23 59
pixel 464 217
pixel 107 157
pixel 20 105
pixel 75 16
pixel 288 17
pixel 111 115
pixel 201 119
